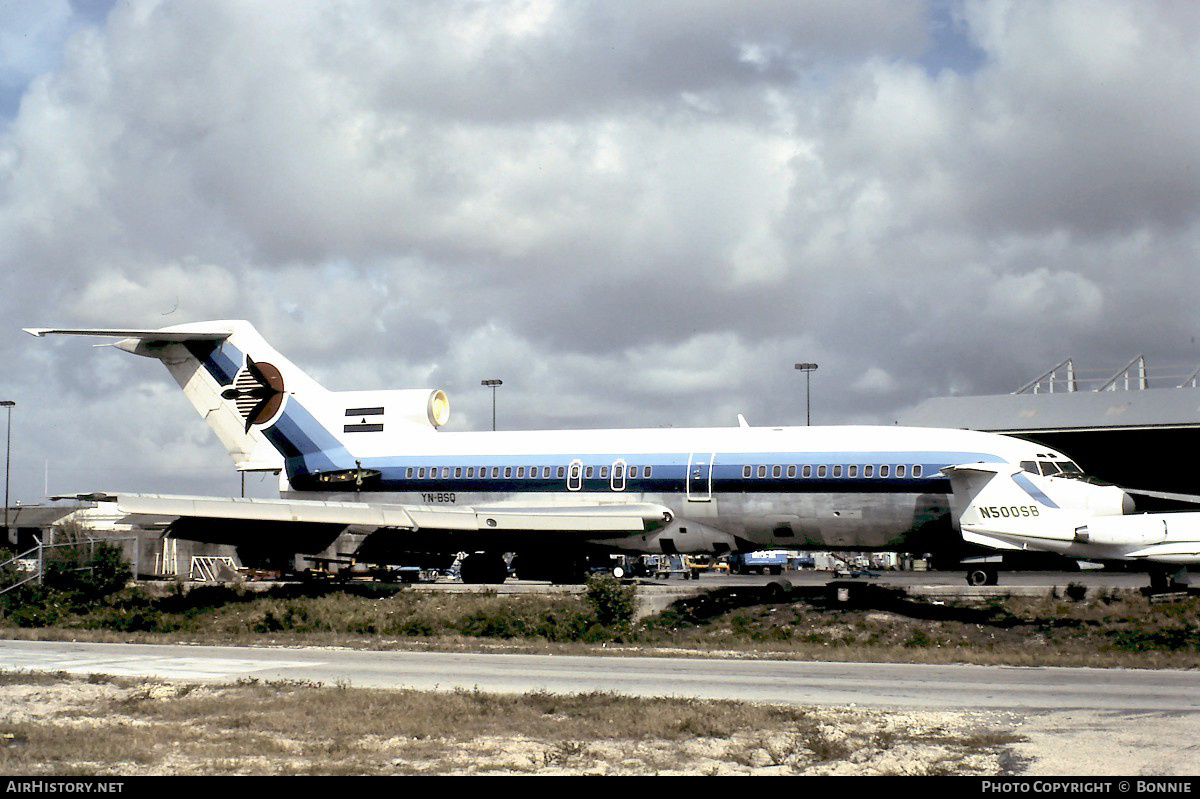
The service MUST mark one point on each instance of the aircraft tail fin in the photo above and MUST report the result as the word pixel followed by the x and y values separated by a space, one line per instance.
pixel 1002 499
pixel 1000 504
pixel 270 414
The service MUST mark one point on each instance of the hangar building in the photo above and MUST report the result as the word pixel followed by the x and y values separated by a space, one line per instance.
pixel 1117 427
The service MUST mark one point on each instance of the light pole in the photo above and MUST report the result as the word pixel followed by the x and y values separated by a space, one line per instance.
pixel 808 369
pixel 493 384
pixel 8 404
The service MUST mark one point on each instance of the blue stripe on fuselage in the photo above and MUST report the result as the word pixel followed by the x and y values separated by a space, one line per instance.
pixel 307 446
pixel 723 462
pixel 669 472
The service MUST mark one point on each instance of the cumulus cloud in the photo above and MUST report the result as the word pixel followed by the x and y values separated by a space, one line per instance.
pixel 1063 296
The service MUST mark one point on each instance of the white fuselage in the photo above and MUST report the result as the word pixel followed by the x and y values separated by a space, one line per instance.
pixel 727 488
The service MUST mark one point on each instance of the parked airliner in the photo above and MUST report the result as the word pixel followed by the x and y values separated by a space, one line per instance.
pixel 374 465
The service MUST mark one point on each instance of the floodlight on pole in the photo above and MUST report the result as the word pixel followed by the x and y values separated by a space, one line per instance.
pixel 493 384
pixel 8 404
pixel 808 369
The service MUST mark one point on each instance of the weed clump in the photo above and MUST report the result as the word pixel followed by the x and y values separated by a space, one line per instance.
pixel 604 614
pixel 75 577
pixel 1103 629
pixel 613 604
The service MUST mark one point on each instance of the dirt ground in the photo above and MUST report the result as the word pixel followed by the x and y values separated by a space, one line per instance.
pixel 1083 743
pixel 62 725
pixel 73 726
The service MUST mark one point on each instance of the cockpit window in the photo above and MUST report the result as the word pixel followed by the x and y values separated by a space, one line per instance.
pixel 1062 468
pixel 1049 468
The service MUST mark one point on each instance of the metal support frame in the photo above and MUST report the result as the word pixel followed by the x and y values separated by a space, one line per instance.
pixel 1123 374
pixel 204 567
pixel 1051 377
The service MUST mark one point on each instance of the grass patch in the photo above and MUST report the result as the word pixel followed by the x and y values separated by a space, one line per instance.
pixel 1108 629
pixel 123 727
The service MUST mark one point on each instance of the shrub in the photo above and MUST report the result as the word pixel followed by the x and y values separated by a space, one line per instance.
pixel 93 569
pixel 613 603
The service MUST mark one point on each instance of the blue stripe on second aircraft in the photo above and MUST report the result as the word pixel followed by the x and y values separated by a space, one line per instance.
pixel 1029 488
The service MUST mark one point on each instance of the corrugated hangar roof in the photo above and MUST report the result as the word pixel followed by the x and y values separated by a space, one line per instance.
pixel 1125 432
pixel 1075 410
pixel 1053 401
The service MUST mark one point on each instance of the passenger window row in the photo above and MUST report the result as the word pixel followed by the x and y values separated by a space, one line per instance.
pixel 824 470
pixel 521 472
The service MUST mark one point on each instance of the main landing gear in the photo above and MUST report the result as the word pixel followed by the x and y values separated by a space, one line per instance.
pixel 483 567
pixel 1166 581
pixel 983 575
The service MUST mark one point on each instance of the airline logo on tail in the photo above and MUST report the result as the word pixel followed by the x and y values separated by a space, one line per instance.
pixel 257 391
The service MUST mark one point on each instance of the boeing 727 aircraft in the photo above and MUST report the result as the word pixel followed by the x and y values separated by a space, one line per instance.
pixel 373 465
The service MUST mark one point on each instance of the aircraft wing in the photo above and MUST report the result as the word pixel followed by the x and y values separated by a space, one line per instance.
pixel 614 518
pixel 1187 499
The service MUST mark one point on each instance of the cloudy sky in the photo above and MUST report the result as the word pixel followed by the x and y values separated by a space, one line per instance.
pixel 635 214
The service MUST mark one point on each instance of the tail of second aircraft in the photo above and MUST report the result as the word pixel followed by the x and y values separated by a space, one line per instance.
pixel 1000 505
pixel 267 412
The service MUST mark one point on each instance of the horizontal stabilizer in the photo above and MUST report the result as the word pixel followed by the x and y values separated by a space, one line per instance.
pixel 985 471
pixel 180 333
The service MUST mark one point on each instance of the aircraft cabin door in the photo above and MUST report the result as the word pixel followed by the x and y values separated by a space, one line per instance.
pixel 699 477
pixel 617 482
